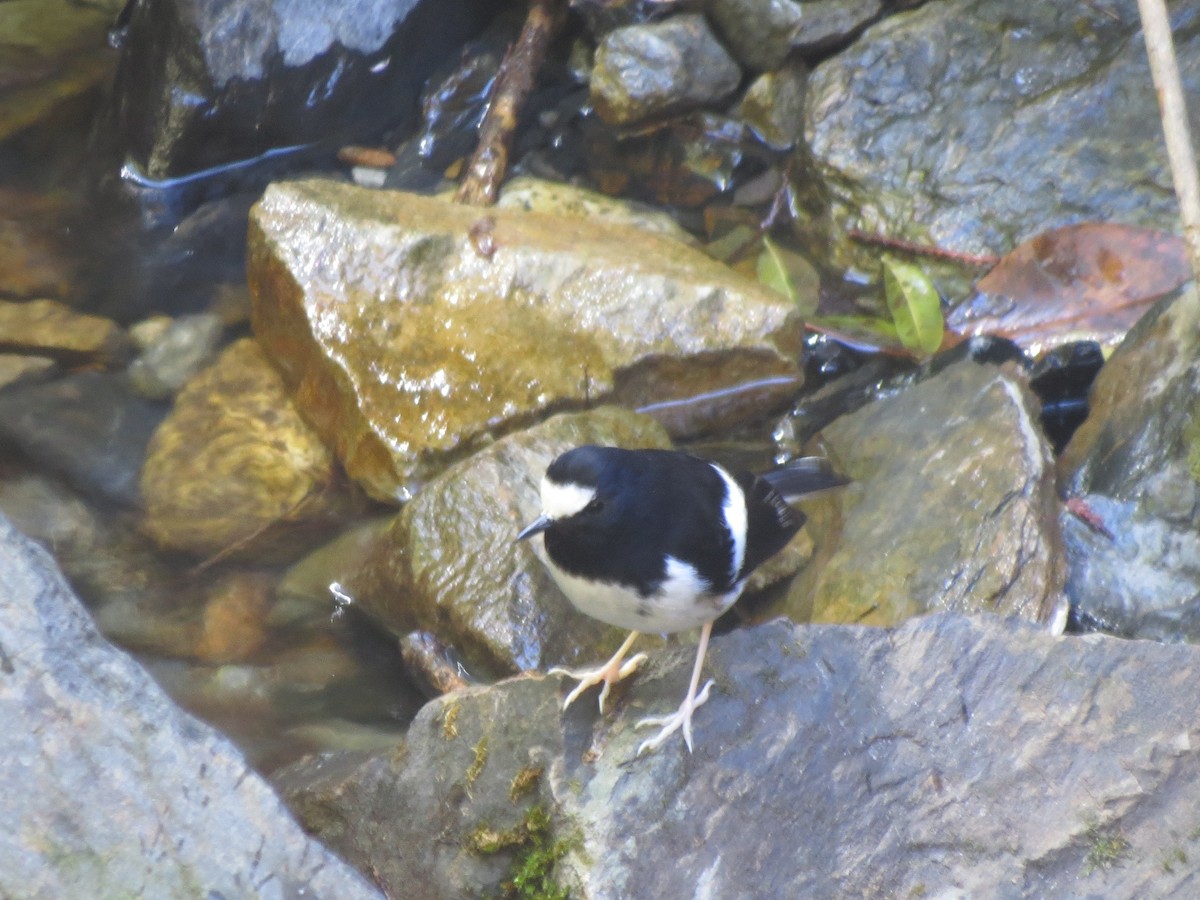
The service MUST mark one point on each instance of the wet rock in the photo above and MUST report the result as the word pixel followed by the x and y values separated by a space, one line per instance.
pixel 1135 462
pixel 758 32
pixel 52 58
pixel 109 785
pixel 946 757
pixel 449 564
pixel 185 346
pixel 534 194
pixel 234 620
pixel 412 330
pixel 235 469
pixel 647 71
pixel 433 666
pixel 830 24
pixel 200 85
pixel 50 328
pixel 952 507
pixel 88 426
pixel 16 369
pixel 1009 119
pixel 773 106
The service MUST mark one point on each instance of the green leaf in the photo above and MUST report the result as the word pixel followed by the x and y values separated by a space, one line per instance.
pixel 790 274
pixel 864 332
pixel 734 242
pixel 914 304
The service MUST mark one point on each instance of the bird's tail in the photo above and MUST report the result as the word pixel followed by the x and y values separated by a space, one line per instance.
pixel 804 477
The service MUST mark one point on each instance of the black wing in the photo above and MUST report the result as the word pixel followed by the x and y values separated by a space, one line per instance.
pixel 771 522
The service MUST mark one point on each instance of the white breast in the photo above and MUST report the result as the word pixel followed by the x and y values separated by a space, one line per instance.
pixel 681 602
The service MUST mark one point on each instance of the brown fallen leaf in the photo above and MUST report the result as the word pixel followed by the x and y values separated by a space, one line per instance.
pixel 1090 281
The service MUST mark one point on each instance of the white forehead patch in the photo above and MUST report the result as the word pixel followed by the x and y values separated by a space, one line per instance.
pixel 560 501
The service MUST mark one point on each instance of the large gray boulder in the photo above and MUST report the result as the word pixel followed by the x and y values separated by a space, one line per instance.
pixel 950 757
pixel 109 789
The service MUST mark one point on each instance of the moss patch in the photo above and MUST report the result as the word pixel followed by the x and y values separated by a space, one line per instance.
pixel 481 757
pixel 1104 850
pixel 531 875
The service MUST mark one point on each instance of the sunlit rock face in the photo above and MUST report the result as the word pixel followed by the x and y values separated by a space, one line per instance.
pixel 412 331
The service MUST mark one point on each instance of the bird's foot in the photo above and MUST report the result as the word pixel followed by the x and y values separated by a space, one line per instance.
pixel 682 718
pixel 608 675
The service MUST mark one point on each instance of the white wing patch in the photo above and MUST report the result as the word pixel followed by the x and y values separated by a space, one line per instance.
pixel 561 501
pixel 734 509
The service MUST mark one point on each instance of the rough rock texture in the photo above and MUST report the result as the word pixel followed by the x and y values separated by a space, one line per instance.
pixel 1135 462
pixel 773 106
pixel 761 33
pixel 976 129
pixel 667 67
pixel 950 757
pixel 448 563
pixel 952 507
pixel 110 790
pixel 234 467
pixel 535 194
pixel 203 82
pixel 411 330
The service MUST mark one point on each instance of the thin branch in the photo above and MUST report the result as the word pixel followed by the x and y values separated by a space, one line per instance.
pixel 1165 71
pixel 485 173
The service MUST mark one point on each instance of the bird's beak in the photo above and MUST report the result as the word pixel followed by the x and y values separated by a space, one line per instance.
pixel 537 526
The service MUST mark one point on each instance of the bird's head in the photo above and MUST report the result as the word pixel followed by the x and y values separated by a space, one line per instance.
pixel 577 491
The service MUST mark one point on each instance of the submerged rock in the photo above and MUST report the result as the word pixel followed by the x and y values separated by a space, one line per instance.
pixel 109 786
pixel 449 565
pixel 412 330
pixel 17 369
pixel 185 346
pixel 87 426
pixel 952 507
pixel 952 756
pixel 235 468
pixel 52 56
pixel 50 328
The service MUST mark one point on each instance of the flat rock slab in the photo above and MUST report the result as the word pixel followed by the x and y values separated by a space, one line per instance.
pixel 951 757
pixel 110 790
pixel 412 330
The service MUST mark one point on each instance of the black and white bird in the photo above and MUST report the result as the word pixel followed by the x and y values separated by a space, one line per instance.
pixel 661 541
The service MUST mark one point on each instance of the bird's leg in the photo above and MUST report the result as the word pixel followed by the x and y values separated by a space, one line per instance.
pixel 609 673
pixel 683 716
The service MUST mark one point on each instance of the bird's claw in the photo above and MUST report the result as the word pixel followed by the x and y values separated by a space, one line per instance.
pixel 681 718
pixel 608 675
